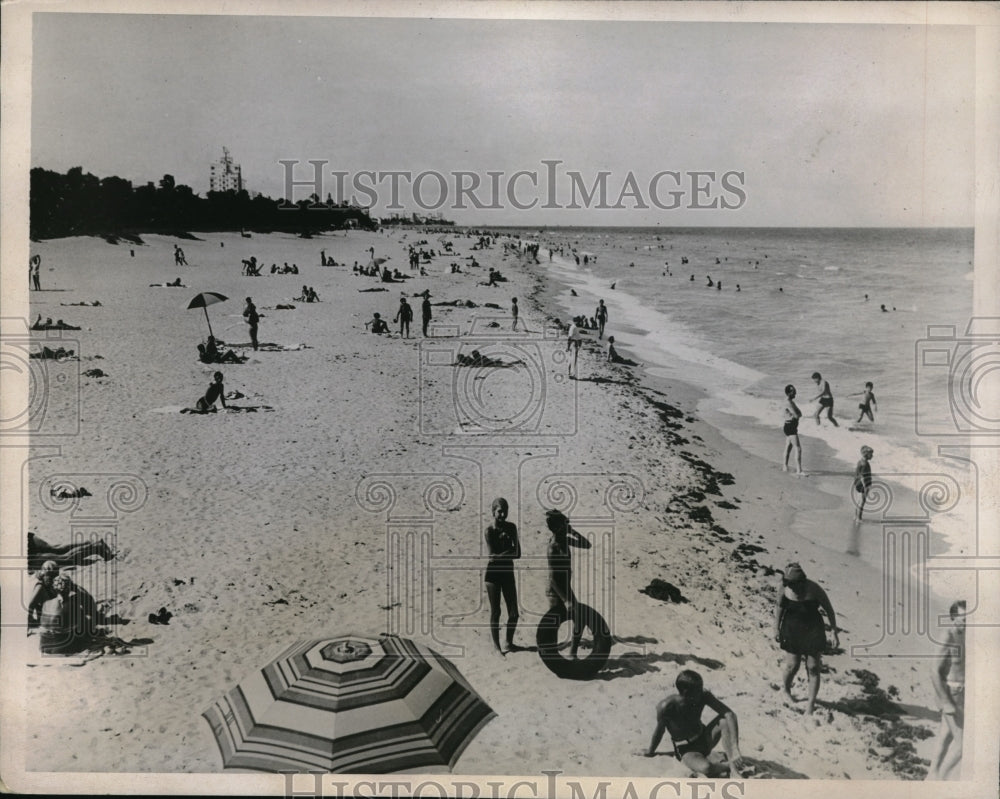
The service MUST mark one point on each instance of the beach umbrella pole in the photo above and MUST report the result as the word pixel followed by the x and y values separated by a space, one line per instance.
pixel 205 309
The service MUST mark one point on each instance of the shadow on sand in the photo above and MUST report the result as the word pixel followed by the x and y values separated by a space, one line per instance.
pixel 632 664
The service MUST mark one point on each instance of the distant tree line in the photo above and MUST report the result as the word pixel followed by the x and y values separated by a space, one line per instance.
pixel 78 204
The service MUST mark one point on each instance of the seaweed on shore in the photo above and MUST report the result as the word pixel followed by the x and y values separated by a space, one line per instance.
pixel 712 477
pixel 895 736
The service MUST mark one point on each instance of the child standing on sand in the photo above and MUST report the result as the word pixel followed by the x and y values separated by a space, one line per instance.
pixel 863 478
pixel 868 399
pixel 825 398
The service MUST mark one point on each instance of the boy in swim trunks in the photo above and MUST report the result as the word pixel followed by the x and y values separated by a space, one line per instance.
pixel 868 399
pixel 825 398
pixel 680 716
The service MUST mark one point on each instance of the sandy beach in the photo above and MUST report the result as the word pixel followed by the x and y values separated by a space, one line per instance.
pixel 348 489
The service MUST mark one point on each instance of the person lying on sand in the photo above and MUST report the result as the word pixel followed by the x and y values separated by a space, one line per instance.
pixel 47 353
pixel 478 359
pixel 48 324
pixel 216 392
pixel 65 555
pixel 679 715
pixel 95 303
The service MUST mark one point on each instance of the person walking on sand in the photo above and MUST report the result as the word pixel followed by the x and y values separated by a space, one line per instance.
pixel 799 630
pixel 867 400
pixel 679 715
pixel 504 548
pixel 404 316
pixel 825 398
pixel 574 338
pixel 948 679
pixel 790 427
pixel 425 314
pixel 601 315
pixel 863 479
pixel 252 319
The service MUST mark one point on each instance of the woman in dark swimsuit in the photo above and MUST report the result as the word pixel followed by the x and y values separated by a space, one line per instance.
pixel 504 547
pixel 799 629
pixel 791 430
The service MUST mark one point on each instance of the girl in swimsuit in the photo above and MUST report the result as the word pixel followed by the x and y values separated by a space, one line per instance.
pixel 791 430
pixel 504 547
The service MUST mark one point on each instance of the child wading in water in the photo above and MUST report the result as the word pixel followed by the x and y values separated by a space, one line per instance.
pixel 825 398
pixel 865 406
pixel 863 478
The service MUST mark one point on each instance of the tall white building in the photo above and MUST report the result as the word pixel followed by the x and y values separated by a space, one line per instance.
pixel 225 174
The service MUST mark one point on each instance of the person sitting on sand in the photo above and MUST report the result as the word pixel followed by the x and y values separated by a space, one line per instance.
pixel 948 679
pixel 679 715
pixel 210 353
pixel 69 620
pixel 614 357
pixel 799 630
pixel 378 325
pixel 216 392
pixel 66 555
pixel 43 591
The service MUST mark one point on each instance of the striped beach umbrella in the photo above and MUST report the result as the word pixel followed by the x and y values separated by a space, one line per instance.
pixel 349 704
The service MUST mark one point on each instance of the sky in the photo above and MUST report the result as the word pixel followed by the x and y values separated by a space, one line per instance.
pixel 788 124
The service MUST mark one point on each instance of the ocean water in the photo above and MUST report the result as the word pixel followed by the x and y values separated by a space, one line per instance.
pixel 801 308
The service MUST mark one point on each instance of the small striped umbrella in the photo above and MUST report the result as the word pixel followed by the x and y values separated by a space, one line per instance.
pixel 349 704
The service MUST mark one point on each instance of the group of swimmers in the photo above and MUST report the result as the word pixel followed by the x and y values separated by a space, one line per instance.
pixel 792 414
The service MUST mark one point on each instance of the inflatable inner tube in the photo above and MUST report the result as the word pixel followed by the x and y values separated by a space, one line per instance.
pixel 554 648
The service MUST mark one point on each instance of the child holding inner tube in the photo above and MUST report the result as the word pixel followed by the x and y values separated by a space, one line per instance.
pixel 559 590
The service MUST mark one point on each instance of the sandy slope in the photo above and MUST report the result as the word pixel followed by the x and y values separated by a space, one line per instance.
pixel 259 528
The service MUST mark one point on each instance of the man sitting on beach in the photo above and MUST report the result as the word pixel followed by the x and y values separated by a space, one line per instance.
pixel 680 716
